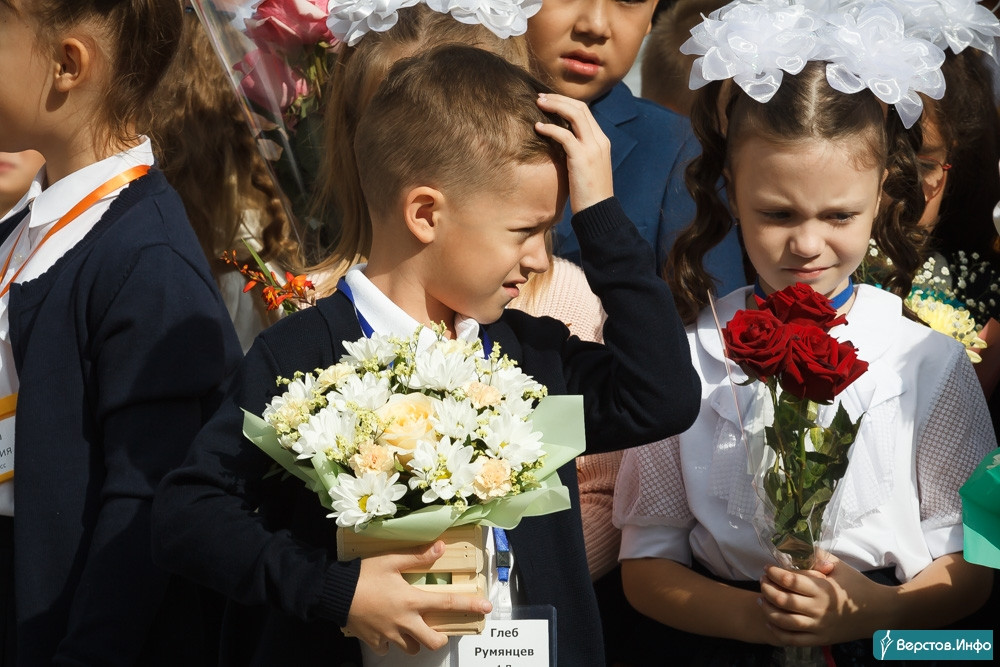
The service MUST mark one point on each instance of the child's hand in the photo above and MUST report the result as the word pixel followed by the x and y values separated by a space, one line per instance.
pixel 827 605
pixel 588 151
pixel 386 609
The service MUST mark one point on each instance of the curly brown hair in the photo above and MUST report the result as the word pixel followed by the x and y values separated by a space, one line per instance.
pixel 804 107
pixel 208 153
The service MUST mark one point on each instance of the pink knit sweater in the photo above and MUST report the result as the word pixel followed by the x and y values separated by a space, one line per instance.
pixel 566 296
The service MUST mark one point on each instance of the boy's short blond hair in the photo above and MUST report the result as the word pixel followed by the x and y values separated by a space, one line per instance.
pixel 665 70
pixel 455 118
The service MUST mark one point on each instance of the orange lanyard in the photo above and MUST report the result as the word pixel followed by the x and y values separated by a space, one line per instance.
pixel 104 190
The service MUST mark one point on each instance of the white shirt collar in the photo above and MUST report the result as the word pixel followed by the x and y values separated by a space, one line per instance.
pixel 56 200
pixel 385 317
pixel 34 190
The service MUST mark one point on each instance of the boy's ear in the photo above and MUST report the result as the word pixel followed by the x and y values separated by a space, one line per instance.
pixel 72 64
pixel 422 208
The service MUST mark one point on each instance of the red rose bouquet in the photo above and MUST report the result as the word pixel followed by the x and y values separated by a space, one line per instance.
pixel 786 345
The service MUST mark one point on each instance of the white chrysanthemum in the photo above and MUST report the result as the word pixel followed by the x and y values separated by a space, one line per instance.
pixel 358 500
pixel 334 375
pixel 512 439
pixel 436 371
pixel 328 429
pixel 512 382
pixel 370 392
pixel 444 470
pixel 455 419
pixel 378 349
pixel 943 317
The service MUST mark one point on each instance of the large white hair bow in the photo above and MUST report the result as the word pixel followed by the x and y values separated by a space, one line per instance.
pixel 951 24
pixel 753 44
pixel 871 50
pixel 350 20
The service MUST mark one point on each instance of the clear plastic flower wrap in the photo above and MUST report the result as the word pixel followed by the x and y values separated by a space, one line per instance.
pixel 278 54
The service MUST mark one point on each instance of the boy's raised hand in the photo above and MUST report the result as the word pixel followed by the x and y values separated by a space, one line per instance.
pixel 386 609
pixel 588 151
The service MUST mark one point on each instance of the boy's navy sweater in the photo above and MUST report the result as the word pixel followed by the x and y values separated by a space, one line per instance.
pixel 120 348
pixel 267 542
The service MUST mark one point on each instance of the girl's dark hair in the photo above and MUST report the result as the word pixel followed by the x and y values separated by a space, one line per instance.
pixel 140 38
pixel 197 121
pixel 970 127
pixel 804 107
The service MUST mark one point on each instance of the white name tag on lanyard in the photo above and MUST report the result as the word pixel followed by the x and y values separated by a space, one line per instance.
pixel 8 406
pixel 523 642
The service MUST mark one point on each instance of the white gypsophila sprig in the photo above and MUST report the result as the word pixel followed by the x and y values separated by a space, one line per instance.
pixel 330 431
pixel 870 49
pixel 511 438
pixel 359 500
pixel 502 17
pixel 351 20
pixel 443 470
pixel 951 24
pixel 291 408
pixel 753 44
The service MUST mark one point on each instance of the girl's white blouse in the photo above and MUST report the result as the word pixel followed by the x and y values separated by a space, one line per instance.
pixel 925 427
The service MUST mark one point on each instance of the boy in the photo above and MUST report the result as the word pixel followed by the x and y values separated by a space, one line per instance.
pixel 463 176
pixel 583 49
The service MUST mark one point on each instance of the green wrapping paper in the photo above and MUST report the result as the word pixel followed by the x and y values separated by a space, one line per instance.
pixel 981 512
pixel 558 418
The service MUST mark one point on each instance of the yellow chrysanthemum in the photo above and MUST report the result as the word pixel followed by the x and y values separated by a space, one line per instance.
pixel 955 322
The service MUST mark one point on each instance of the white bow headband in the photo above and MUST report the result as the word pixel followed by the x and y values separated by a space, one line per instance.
pixel 350 20
pixel 892 47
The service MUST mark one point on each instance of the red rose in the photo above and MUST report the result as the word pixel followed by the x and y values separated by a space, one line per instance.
pixel 801 304
pixel 818 366
pixel 757 341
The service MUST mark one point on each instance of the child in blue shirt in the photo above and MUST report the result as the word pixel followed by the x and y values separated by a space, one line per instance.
pixel 583 49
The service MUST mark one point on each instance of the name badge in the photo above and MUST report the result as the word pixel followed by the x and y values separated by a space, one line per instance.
pixel 523 642
pixel 8 406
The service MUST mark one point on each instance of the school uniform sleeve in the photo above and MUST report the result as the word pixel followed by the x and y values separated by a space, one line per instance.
pixel 158 348
pixel 955 437
pixel 210 504
pixel 640 386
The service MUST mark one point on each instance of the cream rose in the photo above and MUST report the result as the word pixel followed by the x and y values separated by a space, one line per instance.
pixel 408 420
pixel 492 480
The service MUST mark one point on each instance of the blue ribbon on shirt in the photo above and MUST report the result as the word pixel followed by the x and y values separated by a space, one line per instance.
pixel 836 302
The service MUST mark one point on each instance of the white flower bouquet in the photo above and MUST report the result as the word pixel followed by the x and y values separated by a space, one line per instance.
pixel 404 442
